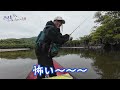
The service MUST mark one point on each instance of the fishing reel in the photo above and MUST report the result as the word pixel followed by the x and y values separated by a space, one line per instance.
pixel 70 38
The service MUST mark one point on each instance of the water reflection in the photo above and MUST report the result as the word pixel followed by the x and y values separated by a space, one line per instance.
pixel 100 64
pixel 18 54
pixel 105 64
pixel 17 64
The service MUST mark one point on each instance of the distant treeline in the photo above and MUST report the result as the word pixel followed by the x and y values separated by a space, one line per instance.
pixel 106 34
pixel 17 43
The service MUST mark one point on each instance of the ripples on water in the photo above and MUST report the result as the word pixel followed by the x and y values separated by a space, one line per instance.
pixel 100 64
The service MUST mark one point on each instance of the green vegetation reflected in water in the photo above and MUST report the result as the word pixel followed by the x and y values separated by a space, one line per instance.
pixel 18 54
pixel 105 64
pixel 101 64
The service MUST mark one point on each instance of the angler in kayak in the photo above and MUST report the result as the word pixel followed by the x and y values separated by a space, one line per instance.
pixel 48 42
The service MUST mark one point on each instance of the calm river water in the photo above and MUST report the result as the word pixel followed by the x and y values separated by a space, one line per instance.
pixel 100 64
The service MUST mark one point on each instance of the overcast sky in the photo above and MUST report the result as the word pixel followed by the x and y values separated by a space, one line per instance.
pixel 36 20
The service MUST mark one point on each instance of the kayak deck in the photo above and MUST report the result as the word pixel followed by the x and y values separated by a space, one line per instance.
pixel 63 76
pixel 60 75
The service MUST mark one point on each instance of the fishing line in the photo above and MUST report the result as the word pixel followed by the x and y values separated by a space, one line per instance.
pixel 79 25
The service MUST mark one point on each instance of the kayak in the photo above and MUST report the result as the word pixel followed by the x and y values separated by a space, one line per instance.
pixel 60 75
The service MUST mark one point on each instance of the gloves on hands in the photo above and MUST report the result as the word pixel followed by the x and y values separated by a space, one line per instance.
pixel 66 37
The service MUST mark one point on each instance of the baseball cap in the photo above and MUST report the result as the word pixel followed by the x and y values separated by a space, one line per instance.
pixel 58 18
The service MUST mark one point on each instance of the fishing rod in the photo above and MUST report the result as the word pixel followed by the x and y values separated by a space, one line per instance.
pixel 79 25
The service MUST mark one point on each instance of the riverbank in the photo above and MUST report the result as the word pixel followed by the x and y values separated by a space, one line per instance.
pixel 64 47
pixel 86 47
pixel 16 49
pixel 23 49
pixel 72 47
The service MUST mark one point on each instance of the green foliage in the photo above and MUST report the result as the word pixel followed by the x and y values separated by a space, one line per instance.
pixel 109 29
pixel 18 43
pixel 117 37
